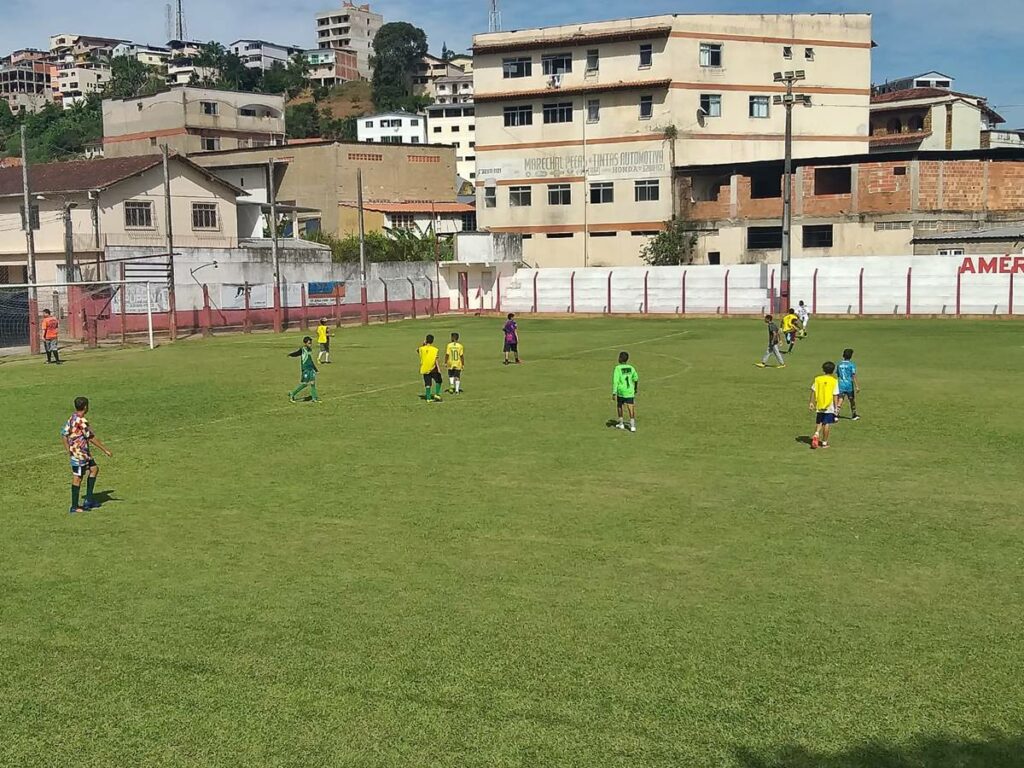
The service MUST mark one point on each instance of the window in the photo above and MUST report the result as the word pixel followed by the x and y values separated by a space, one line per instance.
pixel 369 124
pixel 414 139
pixel 894 125
pixel 455 129
pixel 556 63
pixel 899 171
pixel 470 157
pixel 437 129
pixel 520 197
pixel 208 107
pixel 559 194
pixel 711 54
pixel 138 215
pixel 402 221
pixel 764 238
pixel 472 143
pixel 592 60
pixel 809 54
pixel 950 252
pixel 593 110
pixel 817 235
pixel 152 141
pixel 390 139
pixel 521 114
pixel 247 112
pixel 210 145
pixel 644 233
pixel 714 257
pixel 518 67
pixel 490 197
pixel 646 107
pixel 711 104
pixel 787 52
pixel 471 128
pixel 943 84
pixel 766 185
pixel 646 55
pixel 559 235
pixel 602 192
pixel 759 106
pixel 558 113
pixel 34 216
pixel 414 122
pixel 204 216
pixel 469 222
pixel 646 191
pixel 832 181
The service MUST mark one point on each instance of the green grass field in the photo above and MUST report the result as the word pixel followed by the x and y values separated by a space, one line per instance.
pixel 501 580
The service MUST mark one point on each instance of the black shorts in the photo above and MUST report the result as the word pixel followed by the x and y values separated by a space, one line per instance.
pixel 512 346
pixel 790 337
pixel 326 346
pixel 81 470
pixel 455 373
pixel 432 377
pixel 625 400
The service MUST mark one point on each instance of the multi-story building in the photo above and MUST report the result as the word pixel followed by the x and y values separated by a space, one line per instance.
pixel 429 71
pixel 77 81
pixel 923 80
pixel 392 128
pixel 456 89
pixel 455 125
pixel 578 127
pixel 192 120
pixel 25 84
pixel 259 54
pixel 332 66
pixel 929 118
pixel 182 68
pixel 83 47
pixel 463 61
pixel 351 27
pixel 155 56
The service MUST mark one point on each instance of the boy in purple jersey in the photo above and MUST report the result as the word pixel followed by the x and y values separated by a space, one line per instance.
pixel 511 331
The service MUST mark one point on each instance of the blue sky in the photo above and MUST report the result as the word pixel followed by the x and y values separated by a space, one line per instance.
pixel 973 41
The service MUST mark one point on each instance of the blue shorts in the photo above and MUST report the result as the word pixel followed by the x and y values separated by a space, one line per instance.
pixel 825 418
pixel 846 393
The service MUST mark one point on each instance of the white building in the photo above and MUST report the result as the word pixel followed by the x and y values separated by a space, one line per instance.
pixel 455 89
pixel 80 80
pixel 352 27
pixel 455 125
pixel 923 80
pixel 259 54
pixel 181 66
pixel 392 128
pixel 150 55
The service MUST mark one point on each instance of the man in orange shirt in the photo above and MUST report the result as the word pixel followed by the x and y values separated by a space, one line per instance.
pixel 50 334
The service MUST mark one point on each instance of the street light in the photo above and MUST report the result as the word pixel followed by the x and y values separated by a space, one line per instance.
pixel 788 100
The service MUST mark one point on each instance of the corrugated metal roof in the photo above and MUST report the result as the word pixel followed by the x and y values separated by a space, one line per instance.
pixel 1010 232
pixel 419 206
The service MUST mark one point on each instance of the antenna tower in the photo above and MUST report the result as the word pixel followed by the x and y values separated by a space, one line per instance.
pixel 494 19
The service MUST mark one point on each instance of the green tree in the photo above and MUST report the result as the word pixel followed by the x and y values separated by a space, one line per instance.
pixel 211 55
pixel 130 78
pixel 671 247
pixel 447 54
pixel 397 49
pixel 302 120
pixel 235 76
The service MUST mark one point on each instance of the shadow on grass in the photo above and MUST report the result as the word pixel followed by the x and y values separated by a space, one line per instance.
pixel 805 439
pixel 944 751
pixel 105 497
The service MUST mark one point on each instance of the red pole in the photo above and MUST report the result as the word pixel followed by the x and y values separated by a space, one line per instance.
pixel 387 309
pixel 277 306
pixel 206 311
pixel 430 308
pixel 771 293
pixel 172 312
pixel 247 320
pixel 535 276
pixel 814 293
pixel 364 309
pixel 1011 294
pixel 683 294
pixel 33 321
pixel 124 308
pixel 609 293
pixel 860 292
pixel 572 292
pixel 305 309
pixel 646 305
pixel 337 305
pixel 497 304
pixel 726 301
pixel 959 278
pixel 464 279
pixel 412 291
pixel 909 270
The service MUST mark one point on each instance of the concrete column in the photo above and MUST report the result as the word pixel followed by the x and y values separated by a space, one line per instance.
pixel 798 191
pixel 854 191
pixel 295 225
pixel 734 195
pixel 915 185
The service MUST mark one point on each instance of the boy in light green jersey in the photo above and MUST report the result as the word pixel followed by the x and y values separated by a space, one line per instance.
pixel 307 370
pixel 625 383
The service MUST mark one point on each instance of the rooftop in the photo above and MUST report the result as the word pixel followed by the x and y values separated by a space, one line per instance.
pixel 1012 232
pixel 417 206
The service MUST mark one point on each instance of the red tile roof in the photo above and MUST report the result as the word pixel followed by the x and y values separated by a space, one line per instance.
pixel 10 162
pixel 418 206
pixel 896 139
pixel 912 94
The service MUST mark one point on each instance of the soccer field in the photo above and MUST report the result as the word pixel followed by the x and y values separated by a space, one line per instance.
pixel 502 580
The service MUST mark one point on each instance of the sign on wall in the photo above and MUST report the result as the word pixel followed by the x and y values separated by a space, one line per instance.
pixel 992 265
pixel 631 163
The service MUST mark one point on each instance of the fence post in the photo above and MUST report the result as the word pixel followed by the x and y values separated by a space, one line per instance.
pixel 909 270
pixel 771 293
pixel 337 305
pixel 609 292
pixel 497 303
pixel 572 292
pixel 959 278
pixel 387 309
pixel 682 294
pixel 726 297
pixel 1010 306
pixel 430 308
pixel 205 322
pixel 124 308
pixel 860 292
pixel 246 319
pixel 364 309
pixel 305 309
pixel 646 304
pixel 814 293
pixel 535 276
pixel 277 305
pixel 412 291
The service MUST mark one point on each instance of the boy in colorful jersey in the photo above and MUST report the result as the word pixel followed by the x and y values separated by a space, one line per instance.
pixel 454 360
pixel 511 331
pixel 428 368
pixel 307 370
pixel 50 332
pixel 78 436
pixel 849 385
pixel 323 339
pixel 625 383
pixel 825 402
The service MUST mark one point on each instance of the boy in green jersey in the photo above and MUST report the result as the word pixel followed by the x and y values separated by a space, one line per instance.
pixel 625 383
pixel 307 370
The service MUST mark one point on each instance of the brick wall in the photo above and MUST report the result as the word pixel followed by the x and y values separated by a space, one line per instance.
pixel 1006 186
pixel 882 188
pixel 823 205
pixel 761 208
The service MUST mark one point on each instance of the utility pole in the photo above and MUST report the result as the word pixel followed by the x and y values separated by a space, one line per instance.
pixel 362 246
pixel 69 245
pixel 30 253
pixel 172 316
pixel 274 257
pixel 788 100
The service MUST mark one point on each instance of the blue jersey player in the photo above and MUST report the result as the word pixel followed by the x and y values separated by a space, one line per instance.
pixel 849 386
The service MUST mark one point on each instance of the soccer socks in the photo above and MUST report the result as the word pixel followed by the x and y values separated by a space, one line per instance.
pixel 296 391
pixel 426 392
pixel 632 424
pixel 90 483
pixel 49 356
pixel 312 388
pixel 75 492
pixel 451 382
pixel 458 385
pixel 437 389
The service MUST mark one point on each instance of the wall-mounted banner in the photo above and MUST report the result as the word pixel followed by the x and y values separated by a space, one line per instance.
pixel 992 265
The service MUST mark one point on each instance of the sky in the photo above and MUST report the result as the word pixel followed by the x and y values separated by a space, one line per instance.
pixel 974 41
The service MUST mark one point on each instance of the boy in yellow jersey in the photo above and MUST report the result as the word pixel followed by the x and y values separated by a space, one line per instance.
pixel 428 368
pixel 454 360
pixel 825 402
pixel 790 325
pixel 323 338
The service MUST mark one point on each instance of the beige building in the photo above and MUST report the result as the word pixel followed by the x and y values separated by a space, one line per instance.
pixel 929 118
pixel 351 27
pixel 578 127
pixel 429 71
pixel 119 202
pixel 77 81
pixel 321 176
pixel 25 84
pixel 464 62
pixel 192 120
pixel 455 126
